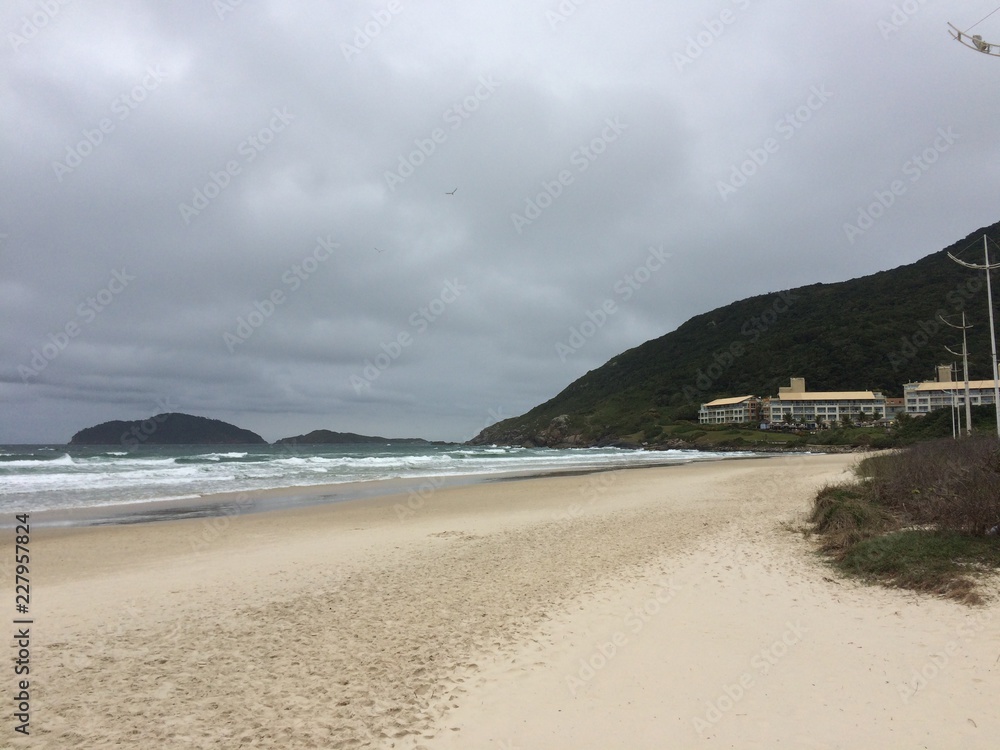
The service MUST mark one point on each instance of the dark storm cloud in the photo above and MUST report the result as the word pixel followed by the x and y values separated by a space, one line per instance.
pixel 241 210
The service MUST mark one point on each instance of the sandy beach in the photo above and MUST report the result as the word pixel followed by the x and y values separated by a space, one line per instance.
pixel 667 607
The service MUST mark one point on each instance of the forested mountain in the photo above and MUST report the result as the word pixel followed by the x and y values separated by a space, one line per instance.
pixel 871 333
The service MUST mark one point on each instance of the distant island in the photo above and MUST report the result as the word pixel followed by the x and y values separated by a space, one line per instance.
pixel 328 437
pixel 166 429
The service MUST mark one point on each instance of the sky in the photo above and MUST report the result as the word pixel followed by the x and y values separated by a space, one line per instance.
pixel 414 219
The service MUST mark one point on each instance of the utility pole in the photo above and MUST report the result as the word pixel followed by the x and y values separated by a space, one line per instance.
pixel 954 406
pixel 993 335
pixel 965 367
pixel 976 42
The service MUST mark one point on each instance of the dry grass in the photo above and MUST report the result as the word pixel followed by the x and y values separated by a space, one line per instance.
pixel 924 518
pixel 951 484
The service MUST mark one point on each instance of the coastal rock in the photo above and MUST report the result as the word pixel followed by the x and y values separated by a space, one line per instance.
pixel 557 433
pixel 328 437
pixel 166 429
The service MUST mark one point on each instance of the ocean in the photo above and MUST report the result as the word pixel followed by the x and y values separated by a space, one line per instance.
pixel 35 478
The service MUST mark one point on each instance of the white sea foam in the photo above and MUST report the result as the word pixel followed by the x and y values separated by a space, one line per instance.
pixel 63 460
pixel 86 479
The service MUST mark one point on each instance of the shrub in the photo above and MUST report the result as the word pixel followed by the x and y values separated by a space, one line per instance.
pixel 931 561
pixel 922 517
pixel 845 515
pixel 952 484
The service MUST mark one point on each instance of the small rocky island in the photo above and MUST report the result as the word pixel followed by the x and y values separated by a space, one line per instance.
pixel 328 437
pixel 166 429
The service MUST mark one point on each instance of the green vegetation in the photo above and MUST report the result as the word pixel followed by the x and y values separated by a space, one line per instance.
pixel 166 429
pixel 924 518
pixel 937 424
pixel 328 437
pixel 722 436
pixel 872 333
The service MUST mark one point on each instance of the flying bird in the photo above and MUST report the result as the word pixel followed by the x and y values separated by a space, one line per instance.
pixel 452 192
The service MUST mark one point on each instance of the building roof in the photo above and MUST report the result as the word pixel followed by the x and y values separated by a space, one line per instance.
pixel 827 396
pixel 957 385
pixel 729 401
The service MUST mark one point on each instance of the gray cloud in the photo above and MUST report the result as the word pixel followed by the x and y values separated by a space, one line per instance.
pixel 608 130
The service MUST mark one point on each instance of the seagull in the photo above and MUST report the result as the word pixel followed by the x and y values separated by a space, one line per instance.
pixel 452 192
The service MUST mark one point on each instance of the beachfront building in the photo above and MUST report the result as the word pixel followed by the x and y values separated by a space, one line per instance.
pixel 737 410
pixel 893 406
pixel 944 392
pixel 797 405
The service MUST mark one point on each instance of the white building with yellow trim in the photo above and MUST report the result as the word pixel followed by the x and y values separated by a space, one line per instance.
pixel 925 397
pixel 794 403
pixel 736 410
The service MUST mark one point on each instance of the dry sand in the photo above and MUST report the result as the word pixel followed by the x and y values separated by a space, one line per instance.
pixel 652 608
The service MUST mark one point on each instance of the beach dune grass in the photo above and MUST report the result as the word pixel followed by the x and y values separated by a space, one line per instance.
pixel 924 518
pixel 937 562
pixel 845 516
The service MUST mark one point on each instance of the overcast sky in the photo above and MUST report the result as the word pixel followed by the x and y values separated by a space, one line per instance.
pixel 240 209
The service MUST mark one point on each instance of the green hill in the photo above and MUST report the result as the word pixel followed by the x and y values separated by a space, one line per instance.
pixel 166 429
pixel 876 332
pixel 328 437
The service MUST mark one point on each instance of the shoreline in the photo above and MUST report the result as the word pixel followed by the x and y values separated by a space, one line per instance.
pixel 267 500
pixel 460 624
